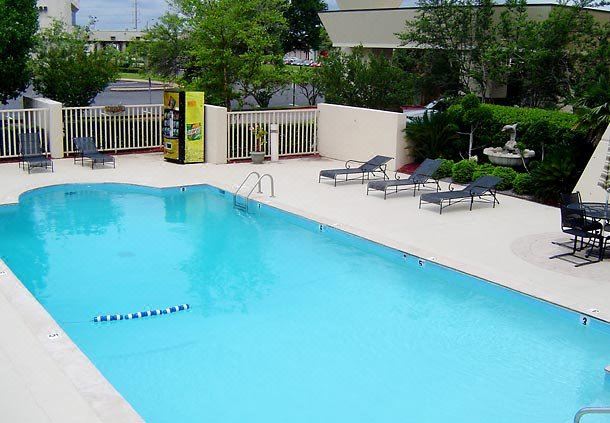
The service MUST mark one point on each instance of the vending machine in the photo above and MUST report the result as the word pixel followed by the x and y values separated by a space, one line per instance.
pixel 183 131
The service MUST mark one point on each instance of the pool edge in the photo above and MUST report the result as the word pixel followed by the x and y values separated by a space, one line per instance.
pixel 89 383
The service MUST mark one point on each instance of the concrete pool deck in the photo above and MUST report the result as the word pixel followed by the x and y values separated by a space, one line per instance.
pixel 49 379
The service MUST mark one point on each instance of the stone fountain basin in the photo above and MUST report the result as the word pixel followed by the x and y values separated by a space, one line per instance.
pixel 507 159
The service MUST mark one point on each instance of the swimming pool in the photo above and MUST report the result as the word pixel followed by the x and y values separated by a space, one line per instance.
pixel 291 321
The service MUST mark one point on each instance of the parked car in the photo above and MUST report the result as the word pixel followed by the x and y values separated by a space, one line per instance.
pixel 435 106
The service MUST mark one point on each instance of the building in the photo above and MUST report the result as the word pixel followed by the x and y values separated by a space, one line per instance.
pixel 117 39
pixel 374 25
pixel 57 10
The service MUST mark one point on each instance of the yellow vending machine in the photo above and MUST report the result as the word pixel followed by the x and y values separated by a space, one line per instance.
pixel 183 120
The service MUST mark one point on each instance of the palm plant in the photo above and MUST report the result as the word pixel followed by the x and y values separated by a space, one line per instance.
pixel 595 121
pixel 431 136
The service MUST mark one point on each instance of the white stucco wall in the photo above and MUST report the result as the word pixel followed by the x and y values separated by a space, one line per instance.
pixel 215 134
pixel 587 184
pixel 53 125
pixel 352 133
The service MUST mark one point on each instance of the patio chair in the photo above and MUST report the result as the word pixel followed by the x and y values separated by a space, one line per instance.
pixel 376 164
pixel 483 187
pixel 418 179
pixel 86 149
pixel 589 224
pixel 32 154
pixel 574 223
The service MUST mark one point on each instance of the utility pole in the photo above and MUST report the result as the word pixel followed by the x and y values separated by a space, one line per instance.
pixel 135 14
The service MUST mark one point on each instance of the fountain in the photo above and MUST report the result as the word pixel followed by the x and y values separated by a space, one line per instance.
pixel 509 155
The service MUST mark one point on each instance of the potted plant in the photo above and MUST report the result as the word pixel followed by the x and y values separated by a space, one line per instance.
pixel 260 140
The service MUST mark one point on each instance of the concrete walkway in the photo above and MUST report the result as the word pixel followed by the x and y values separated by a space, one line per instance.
pixel 508 245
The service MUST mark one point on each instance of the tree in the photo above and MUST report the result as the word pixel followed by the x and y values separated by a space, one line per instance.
pixel 66 71
pixel 309 84
pixel 475 116
pixel 263 82
pixel 164 48
pixel 304 25
pixel 547 57
pixel 462 29
pixel 359 80
pixel 230 38
pixel 431 72
pixel 18 25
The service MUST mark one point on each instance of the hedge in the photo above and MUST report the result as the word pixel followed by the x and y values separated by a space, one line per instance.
pixel 538 129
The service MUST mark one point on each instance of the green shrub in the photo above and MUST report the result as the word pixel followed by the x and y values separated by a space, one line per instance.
pixel 482 170
pixel 462 171
pixel 508 175
pixel 432 135
pixel 555 175
pixel 537 127
pixel 523 185
pixel 445 170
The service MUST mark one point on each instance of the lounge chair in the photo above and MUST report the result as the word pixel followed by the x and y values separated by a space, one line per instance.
pixel 86 149
pixel 376 164
pixel 32 154
pixel 418 179
pixel 485 186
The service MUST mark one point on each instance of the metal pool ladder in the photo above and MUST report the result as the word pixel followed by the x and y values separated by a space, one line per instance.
pixel 590 410
pixel 244 205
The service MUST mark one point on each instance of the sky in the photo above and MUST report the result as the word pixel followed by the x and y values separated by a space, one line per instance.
pixel 119 14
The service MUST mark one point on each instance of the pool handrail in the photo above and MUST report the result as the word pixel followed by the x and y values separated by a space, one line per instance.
pixel 590 410
pixel 257 184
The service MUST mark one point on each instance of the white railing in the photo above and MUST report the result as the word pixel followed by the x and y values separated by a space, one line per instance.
pixel 15 122
pixel 298 131
pixel 138 127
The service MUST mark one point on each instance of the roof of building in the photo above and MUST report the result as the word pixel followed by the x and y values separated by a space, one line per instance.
pixel 378 27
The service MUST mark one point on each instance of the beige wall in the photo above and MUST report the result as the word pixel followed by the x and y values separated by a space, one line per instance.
pixel 215 134
pixel 368 4
pixel 587 184
pixel 346 133
pixel 54 122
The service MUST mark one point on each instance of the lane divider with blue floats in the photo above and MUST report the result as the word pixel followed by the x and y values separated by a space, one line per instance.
pixel 140 314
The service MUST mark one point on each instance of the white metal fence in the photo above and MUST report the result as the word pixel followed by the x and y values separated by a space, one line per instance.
pixel 15 122
pixel 137 127
pixel 298 131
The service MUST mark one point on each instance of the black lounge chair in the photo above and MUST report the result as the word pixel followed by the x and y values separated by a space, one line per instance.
pixel 86 149
pixel 418 179
pixel 376 164
pixel 32 154
pixel 485 186
pixel 574 222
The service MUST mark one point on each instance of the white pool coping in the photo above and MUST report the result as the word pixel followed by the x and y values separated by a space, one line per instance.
pixel 50 379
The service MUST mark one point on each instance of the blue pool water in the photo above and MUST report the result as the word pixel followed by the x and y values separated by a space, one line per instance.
pixel 290 321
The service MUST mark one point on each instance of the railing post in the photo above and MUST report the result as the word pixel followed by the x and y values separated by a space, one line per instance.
pixel 274 142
